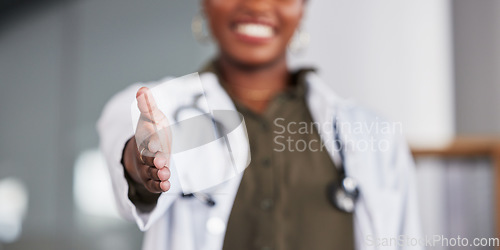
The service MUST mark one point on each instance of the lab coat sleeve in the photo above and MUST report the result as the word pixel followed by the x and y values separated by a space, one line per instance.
pixel 410 221
pixel 115 129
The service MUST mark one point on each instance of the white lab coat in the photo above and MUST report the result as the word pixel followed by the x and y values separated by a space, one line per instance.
pixel 387 206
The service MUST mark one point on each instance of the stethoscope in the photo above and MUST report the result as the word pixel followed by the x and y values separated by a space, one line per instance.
pixel 342 193
pixel 203 197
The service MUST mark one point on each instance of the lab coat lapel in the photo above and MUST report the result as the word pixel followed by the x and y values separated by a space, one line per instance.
pixel 225 193
pixel 324 105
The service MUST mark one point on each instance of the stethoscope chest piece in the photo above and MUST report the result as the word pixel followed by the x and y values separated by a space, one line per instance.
pixel 343 194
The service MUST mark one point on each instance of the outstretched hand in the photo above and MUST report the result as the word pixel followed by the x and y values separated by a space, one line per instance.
pixel 147 157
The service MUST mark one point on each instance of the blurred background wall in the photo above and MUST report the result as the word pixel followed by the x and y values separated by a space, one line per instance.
pixel 393 56
pixel 477 62
pixel 60 61
pixel 432 64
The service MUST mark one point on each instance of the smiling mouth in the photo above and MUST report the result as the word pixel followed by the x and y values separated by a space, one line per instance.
pixel 252 32
pixel 255 30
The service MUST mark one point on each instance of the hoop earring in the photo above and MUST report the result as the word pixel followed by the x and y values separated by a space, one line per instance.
pixel 198 30
pixel 299 41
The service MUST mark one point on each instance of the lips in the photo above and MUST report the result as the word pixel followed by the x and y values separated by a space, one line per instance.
pixel 255 30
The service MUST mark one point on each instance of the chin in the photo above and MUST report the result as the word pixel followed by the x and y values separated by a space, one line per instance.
pixel 255 58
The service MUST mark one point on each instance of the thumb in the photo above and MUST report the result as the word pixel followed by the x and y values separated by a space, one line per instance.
pixel 153 131
pixel 148 107
pixel 145 101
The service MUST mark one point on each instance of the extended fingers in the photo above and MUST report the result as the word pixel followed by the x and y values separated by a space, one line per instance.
pixel 164 174
pixel 154 172
pixel 155 180
pixel 154 140
pixel 165 186
pixel 153 186
pixel 157 187
pixel 159 160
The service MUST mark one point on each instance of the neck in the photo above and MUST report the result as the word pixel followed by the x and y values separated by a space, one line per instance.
pixel 254 87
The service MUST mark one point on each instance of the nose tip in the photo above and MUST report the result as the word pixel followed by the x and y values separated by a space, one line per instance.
pixel 258 6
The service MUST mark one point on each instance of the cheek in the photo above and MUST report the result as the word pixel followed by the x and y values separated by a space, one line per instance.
pixel 218 13
pixel 291 16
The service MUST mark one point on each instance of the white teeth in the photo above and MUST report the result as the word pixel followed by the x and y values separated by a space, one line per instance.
pixel 255 30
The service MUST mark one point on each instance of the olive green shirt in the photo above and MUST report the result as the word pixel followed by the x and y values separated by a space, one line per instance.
pixel 282 200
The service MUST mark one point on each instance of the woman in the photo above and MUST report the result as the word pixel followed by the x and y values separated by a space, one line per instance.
pixel 281 200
